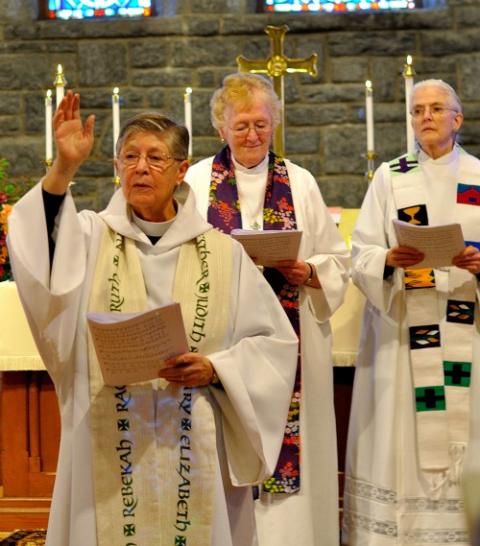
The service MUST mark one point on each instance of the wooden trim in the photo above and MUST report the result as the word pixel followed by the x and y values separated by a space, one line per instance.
pixel 43 9
pixel 23 513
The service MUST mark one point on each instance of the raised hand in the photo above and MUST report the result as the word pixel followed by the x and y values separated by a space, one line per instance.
pixel 74 142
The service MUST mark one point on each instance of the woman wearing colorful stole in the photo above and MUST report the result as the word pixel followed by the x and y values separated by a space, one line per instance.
pixel 246 186
pixel 169 461
pixel 414 396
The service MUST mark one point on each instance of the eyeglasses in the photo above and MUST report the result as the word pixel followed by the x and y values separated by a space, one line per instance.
pixel 260 127
pixel 436 111
pixel 157 161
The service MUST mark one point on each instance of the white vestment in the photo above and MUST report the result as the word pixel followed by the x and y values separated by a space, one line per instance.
pixel 388 499
pixel 256 362
pixel 310 517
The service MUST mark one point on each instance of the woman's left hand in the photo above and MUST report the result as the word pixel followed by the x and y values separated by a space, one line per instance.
pixel 189 370
pixel 468 259
pixel 295 271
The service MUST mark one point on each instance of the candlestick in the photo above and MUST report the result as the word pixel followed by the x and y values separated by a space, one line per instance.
pixel 116 129
pixel 187 99
pixel 371 155
pixel 408 73
pixel 48 129
pixel 369 115
pixel 59 83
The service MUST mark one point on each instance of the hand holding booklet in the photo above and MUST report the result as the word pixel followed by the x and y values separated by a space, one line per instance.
pixel 270 246
pixel 439 244
pixel 132 347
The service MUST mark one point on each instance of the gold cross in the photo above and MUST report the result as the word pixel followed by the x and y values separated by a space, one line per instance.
pixel 276 66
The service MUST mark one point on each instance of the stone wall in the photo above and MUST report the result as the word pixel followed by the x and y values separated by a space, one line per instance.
pixel 194 43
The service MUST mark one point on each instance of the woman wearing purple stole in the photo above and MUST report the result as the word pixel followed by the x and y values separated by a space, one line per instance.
pixel 247 186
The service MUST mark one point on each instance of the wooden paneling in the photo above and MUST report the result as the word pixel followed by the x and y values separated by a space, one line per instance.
pixel 30 434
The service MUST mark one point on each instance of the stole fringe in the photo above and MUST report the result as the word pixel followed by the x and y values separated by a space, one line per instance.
pixel 453 474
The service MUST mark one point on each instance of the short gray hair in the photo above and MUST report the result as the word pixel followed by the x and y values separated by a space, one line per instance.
pixel 174 135
pixel 444 86
pixel 238 89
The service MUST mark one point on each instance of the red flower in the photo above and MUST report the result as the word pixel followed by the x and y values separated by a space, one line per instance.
pixel 288 471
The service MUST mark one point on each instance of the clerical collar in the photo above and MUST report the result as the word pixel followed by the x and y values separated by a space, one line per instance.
pixel 260 168
pixel 442 160
pixel 153 229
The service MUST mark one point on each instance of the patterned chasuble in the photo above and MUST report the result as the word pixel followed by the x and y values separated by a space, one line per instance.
pixel 440 342
pixel 278 213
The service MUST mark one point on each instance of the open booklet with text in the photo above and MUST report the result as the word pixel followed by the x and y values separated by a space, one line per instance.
pixel 439 244
pixel 270 246
pixel 132 347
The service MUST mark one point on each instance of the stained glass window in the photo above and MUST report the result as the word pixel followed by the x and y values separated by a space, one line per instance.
pixel 87 9
pixel 340 5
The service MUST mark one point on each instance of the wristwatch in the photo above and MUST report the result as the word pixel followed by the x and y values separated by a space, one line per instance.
pixel 310 277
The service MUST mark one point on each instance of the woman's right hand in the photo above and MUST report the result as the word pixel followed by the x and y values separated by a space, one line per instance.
pixel 403 256
pixel 74 142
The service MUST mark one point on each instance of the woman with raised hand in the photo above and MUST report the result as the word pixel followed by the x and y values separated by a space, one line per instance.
pixel 168 461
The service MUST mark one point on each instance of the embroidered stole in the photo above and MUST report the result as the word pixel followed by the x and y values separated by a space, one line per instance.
pixel 440 330
pixel 278 213
pixel 154 444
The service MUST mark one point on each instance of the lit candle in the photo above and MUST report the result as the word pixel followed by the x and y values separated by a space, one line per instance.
pixel 115 118
pixel 369 115
pixel 116 130
pixel 59 84
pixel 48 129
pixel 408 74
pixel 187 99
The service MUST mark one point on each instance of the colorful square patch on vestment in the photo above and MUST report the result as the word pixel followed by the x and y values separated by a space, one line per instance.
pixel 457 374
pixel 403 164
pixel 424 337
pixel 415 214
pixel 430 398
pixel 467 194
pixel 418 278
pixel 460 311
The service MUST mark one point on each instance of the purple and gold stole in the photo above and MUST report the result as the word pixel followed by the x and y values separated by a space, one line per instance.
pixel 278 213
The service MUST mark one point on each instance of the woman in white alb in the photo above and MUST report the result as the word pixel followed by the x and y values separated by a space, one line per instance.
pixel 157 462
pixel 246 186
pixel 416 383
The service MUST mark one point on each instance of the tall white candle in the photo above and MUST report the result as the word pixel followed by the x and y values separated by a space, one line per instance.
pixel 369 115
pixel 116 127
pixel 408 74
pixel 48 128
pixel 59 84
pixel 187 99
pixel 115 118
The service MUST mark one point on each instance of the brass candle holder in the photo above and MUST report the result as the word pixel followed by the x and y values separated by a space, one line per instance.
pixel 371 156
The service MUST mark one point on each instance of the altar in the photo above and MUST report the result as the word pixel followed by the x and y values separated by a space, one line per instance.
pixel 29 422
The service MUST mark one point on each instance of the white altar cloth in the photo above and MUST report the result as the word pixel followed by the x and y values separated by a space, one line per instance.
pixel 18 351
pixel 17 348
